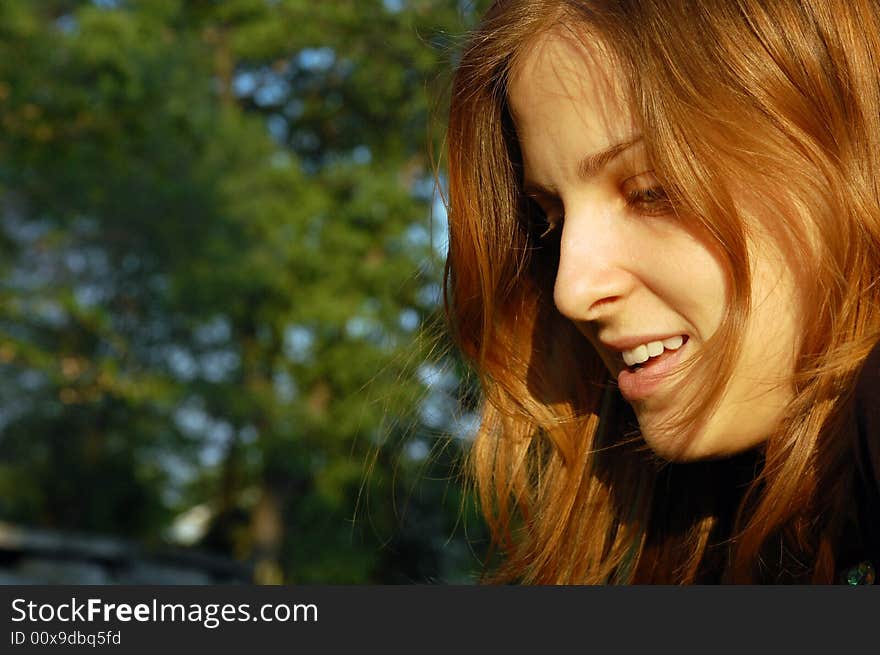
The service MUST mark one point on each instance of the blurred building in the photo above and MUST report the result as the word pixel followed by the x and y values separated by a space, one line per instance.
pixel 37 556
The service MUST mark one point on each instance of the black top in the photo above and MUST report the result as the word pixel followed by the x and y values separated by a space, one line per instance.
pixel 858 549
pixel 864 544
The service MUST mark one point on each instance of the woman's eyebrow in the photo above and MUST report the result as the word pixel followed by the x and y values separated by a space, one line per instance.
pixel 592 164
pixel 589 166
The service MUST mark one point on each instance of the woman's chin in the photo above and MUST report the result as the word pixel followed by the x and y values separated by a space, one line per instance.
pixel 701 445
pixel 674 449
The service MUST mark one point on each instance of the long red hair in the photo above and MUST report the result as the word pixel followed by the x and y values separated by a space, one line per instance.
pixel 784 99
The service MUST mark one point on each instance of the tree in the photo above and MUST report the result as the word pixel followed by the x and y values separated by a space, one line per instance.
pixel 218 266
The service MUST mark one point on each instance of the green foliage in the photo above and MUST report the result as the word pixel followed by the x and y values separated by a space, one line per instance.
pixel 216 279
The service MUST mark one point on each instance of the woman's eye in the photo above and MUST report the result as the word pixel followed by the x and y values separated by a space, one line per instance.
pixel 549 228
pixel 650 200
pixel 546 216
pixel 550 223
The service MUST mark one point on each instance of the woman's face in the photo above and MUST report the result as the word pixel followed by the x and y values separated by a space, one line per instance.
pixel 629 272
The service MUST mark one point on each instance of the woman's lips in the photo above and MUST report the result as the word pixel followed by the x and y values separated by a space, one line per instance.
pixel 639 384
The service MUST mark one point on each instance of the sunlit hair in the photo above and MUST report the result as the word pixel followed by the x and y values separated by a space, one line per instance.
pixel 775 101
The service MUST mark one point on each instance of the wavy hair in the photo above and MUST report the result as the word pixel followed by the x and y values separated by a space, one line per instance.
pixel 779 100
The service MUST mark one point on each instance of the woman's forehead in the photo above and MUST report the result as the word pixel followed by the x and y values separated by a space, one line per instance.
pixel 562 65
pixel 561 73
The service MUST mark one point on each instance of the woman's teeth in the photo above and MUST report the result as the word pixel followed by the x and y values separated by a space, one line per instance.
pixel 641 354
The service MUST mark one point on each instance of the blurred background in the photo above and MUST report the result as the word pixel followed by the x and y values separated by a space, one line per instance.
pixel 221 346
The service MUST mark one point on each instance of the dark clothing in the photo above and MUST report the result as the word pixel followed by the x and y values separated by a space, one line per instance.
pixel 864 543
pixel 857 551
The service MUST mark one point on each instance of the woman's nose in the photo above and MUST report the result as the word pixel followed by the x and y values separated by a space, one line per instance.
pixel 593 258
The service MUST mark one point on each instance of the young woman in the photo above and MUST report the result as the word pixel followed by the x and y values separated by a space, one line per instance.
pixel 664 264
